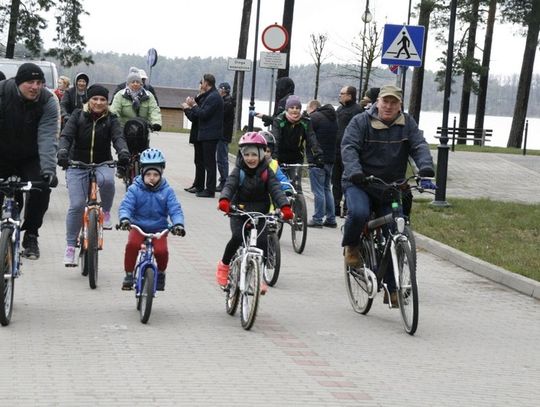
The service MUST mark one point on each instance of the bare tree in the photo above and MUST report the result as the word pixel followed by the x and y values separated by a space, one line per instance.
pixel 318 42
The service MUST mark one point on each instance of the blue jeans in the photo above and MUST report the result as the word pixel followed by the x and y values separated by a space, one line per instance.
pixel 222 159
pixel 77 185
pixel 324 200
pixel 359 208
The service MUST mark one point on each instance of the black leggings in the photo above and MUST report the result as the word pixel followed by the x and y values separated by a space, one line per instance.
pixel 236 238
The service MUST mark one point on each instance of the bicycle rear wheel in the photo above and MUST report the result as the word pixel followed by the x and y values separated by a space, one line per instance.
pixel 407 287
pixel 91 253
pixel 358 289
pixel 232 290
pixel 249 298
pixel 299 224
pixel 146 295
pixel 273 261
pixel 7 282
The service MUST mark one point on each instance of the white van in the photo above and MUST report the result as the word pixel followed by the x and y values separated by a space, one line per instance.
pixel 10 66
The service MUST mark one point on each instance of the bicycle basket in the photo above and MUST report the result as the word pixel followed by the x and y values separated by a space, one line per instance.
pixel 136 133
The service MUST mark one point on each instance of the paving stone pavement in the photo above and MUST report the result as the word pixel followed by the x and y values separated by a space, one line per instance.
pixel 68 345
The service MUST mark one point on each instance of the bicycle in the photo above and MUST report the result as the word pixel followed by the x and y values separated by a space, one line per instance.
pixel 273 255
pixel 146 273
pixel 381 248
pixel 10 240
pixel 246 267
pixel 90 238
pixel 137 132
pixel 299 207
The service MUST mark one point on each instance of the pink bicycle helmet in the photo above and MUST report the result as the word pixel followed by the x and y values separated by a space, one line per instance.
pixel 253 139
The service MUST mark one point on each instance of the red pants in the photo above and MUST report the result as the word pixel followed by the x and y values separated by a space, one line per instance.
pixel 133 245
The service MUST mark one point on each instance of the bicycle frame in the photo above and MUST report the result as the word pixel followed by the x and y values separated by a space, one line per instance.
pixel 146 258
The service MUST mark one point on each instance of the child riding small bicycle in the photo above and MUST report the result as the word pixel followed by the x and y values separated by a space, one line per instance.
pixel 253 185
pixel 149 203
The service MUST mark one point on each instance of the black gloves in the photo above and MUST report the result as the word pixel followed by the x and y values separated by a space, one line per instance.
pixel 426 172
pixel 50 179
pixel 178 230
pixel 123 158
pixel 319 161
pixel 125 224
pixel 156 127
pixel 63 158
pixel 358 179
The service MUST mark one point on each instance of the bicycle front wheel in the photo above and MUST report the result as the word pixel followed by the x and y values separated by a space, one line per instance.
pixel 7 282
pixel 273 261
pixel 92 249
pixel 249 298
pixel 232 290
pixel 360 290
pixel 407 287
pixel 299 224
pixel 146 295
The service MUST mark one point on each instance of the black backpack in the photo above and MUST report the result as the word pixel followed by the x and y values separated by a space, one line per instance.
pixel 136 132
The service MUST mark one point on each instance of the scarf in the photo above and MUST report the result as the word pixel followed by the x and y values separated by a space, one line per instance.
pixel 292 119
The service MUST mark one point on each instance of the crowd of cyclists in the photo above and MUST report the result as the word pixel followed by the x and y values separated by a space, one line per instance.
pixel 41 132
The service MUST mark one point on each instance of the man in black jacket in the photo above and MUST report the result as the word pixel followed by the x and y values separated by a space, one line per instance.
pixel 29 118
pixel 222 156
pixel 345 112
pixel 324 122
pixel 209 112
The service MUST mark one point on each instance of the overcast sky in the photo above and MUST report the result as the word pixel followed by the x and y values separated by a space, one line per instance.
pixel 211 28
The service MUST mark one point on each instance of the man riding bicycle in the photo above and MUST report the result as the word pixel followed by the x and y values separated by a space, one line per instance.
pixel 377 142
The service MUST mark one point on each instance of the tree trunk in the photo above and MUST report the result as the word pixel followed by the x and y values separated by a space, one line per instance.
pixel 484 74
pixel 468 72
pixel 317 77
pixel 238 86
pixel 417 84
pixel 12 34
pixel 525 77
pixel 288 14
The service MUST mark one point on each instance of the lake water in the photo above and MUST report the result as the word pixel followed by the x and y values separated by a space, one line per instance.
pixel 429 121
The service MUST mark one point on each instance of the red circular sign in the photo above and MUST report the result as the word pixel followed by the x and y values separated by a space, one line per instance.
pixel 275 37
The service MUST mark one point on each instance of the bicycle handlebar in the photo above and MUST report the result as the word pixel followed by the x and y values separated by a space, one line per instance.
pixel 401 182
pixel 86 166
pixel 156 235
pixel 308 165
pixel 15 184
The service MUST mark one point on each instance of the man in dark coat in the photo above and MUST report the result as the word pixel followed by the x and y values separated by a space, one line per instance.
pixel 29 118
pixel 222 156
pixel 324 122
pixel 209 112
pixel 345 112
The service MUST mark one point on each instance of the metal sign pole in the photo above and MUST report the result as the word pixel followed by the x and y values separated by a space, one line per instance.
pixel 271 93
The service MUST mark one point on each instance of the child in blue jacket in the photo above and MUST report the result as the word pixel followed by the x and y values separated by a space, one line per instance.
pixel 149 203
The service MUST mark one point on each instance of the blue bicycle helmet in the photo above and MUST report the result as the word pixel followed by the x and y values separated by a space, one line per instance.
pixel 152 157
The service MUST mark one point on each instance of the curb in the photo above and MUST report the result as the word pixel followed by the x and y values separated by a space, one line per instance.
pixel 482 268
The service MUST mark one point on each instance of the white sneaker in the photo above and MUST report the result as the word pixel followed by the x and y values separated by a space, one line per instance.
pixel 69 257
pixel 107 223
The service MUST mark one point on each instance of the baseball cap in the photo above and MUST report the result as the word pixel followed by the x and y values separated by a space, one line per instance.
pixel 391 90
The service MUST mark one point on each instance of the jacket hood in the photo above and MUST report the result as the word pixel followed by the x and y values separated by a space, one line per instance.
pixel 328 111
pixel 284 86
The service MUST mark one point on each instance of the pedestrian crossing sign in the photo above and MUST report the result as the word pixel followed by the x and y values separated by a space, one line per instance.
pixel 403 45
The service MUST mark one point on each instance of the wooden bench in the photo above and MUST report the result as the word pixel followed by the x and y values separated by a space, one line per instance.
pixel 460 133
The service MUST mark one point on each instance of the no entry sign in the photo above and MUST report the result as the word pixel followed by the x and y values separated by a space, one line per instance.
pixel 275 37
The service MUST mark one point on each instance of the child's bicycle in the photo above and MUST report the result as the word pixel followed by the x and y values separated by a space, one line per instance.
pixel 298 205
pixel 91 235
pixel 246 268
pixel 10 240
pixel 145 273
pixel 387 241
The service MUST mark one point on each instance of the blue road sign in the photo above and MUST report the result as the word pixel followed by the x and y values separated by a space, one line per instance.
pixel 403 45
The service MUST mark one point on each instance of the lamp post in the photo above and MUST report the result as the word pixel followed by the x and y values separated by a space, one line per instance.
pixel 254 73
pixel 366 18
